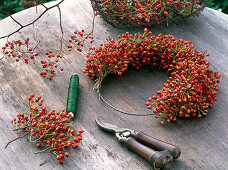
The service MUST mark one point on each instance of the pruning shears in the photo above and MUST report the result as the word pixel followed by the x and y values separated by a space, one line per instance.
pixel 158 153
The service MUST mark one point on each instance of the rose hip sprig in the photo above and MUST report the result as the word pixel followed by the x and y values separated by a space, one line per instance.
pixel 20 50
pixel 50 131
pixel 78 39
pixel 23 50
pixel 51 64
pixel 191 88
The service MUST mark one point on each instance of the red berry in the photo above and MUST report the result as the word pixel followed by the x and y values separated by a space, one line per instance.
pixel 60 161
pixel 75 145
pixel 81 131
pixel 67 154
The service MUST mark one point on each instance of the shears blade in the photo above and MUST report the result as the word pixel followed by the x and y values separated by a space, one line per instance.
pixel 109 127
pixel 106 126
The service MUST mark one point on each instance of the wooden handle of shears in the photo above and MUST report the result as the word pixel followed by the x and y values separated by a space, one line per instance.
pixel 157 144
pixel 156 158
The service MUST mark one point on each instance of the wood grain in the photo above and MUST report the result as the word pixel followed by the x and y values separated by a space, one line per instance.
pixel 203 142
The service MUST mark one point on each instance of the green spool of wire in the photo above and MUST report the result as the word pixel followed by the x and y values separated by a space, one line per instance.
pixel 72 98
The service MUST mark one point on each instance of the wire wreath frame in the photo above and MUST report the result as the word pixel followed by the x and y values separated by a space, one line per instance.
pixel 123 21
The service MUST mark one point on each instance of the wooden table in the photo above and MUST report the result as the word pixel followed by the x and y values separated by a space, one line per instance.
pixel 204 142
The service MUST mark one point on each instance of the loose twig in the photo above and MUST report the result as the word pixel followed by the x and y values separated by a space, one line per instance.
pixel 42 150
pixel 38 41
pixel 16 139
pixel 45 160
pixel 11 17
pixel 61 27
pixel 24 127
pixel 94 16
pixel 23 26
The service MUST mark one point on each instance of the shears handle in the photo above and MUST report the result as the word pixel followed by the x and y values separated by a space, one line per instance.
pixel 157 144
pixel 156 158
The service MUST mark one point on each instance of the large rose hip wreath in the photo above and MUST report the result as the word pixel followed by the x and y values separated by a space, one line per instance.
pixel 191 87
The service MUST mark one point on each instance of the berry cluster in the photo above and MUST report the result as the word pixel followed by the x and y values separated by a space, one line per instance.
pixel 78 40
pixel 191 87
pixel 145 12
pixel 22 50
pixel 49 130
pixel 19 50
pixel 51 64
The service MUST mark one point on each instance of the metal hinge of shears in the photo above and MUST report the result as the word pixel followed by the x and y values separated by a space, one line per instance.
pixel 124 134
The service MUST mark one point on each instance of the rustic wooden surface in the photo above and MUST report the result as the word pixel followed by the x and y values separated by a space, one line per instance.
pixel 204 142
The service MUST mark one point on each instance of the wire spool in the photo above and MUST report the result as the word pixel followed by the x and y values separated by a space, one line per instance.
pixel 72 98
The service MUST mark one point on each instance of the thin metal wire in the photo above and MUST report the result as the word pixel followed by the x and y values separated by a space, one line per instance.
pixel 126 113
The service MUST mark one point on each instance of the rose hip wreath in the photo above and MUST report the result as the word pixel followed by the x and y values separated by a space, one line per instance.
pixel 122 13
pixel 191 87
pixel 48 130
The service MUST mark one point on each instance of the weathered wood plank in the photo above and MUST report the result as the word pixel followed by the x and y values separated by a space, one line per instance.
pixel 203 141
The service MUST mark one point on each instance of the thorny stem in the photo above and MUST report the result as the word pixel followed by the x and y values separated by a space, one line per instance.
pixel 45 160
pixel 94 15
pixel 43 150
pixel 11 18
pixel 44 6
pixel 23 26
pixel 61 27
pixel 2 57
pixel 38 41
pixel 21 128
pixel 16 139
